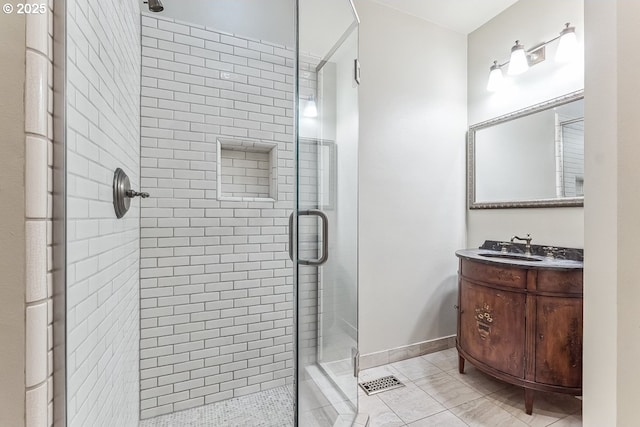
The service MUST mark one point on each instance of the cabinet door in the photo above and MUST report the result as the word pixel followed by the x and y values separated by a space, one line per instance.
pixel 559 341
pixel 492 327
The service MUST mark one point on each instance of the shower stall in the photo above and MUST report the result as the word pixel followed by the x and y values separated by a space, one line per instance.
pixel 227 293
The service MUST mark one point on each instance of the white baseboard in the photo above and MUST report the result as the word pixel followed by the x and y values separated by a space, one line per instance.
pixel 379 358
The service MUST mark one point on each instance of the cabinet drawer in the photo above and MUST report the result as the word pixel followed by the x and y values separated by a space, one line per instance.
pixel 560 281
pixel 506 276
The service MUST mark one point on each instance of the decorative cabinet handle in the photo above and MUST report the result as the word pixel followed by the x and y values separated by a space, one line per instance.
pixel 541 337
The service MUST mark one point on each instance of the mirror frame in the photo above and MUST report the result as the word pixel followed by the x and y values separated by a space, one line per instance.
pixel 471 149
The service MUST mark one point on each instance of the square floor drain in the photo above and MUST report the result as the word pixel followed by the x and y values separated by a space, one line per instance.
pixel 381 384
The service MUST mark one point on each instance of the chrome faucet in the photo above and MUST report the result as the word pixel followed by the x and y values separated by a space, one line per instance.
pixel 527 247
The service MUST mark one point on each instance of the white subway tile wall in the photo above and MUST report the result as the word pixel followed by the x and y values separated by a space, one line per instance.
pixel 103 133
pixel 216 279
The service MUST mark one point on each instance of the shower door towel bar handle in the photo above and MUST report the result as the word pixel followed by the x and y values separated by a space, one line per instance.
pixel 325 237
pixel 291 235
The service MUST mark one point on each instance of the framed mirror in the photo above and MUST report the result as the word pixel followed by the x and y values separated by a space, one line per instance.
pixel 529 158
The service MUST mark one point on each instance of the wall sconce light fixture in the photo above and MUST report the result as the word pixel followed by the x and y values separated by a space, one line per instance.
pixel 310 109
pixel 518 63
pixel 496 80
pixel 568 45
pixel 521 60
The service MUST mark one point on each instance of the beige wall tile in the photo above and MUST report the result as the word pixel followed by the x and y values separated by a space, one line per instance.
pixel 38 32
pixel 36 174
pixel 36 406
pixel 36 344
pixel 36 260
pixel 36 120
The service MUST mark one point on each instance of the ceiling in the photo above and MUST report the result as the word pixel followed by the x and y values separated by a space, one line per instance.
pixel 247 17
pixel 463 16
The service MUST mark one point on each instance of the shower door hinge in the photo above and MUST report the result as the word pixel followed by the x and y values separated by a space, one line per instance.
pixel 356 70
pixel 356 362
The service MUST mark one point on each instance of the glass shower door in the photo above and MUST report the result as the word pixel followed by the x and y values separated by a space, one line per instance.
pixel 326 218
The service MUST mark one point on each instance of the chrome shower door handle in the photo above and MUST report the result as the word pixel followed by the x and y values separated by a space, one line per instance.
pixel 291 235
pixel 325 237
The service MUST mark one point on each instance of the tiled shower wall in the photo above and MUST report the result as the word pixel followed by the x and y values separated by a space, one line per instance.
pixel 216 279
pixel 103 133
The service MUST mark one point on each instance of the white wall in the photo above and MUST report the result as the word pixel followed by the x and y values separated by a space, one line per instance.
pixel 532 22
pixel 338 95
pixel 103 133
pixel 612 203
pixel 322 24
pixel 412 124
pixel 345 244
pixel 628 293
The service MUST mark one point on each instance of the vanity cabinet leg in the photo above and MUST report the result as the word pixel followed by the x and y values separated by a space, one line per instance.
pixel 528 400
pixel 461 364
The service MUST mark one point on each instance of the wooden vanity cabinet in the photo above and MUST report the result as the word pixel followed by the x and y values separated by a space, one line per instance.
pixel 522 325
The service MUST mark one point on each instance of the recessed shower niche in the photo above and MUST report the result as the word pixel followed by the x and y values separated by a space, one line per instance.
pixel 247 170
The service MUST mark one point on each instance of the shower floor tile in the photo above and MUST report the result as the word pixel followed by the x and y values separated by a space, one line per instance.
pixel 270 408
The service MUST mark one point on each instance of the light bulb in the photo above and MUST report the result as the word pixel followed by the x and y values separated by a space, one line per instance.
pixel 310 110
pixel 496 79
pixel 568 46
pixel 518 63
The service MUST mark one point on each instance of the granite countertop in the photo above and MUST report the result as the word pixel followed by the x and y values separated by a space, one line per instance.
pixel 537 261
pixel 540 261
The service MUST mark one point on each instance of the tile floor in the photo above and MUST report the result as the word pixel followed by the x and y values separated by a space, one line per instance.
pixel 437 395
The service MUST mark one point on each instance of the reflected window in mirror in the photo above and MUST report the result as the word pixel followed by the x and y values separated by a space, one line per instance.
pixel 570 149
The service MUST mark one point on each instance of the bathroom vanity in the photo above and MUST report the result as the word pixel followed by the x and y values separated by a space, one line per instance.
pixel 520 316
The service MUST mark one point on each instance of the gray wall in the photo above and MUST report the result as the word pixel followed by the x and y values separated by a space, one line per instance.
pixel 103 133
pixel 12 225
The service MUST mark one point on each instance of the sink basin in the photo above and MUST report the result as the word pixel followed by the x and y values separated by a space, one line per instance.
pixel 515 257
